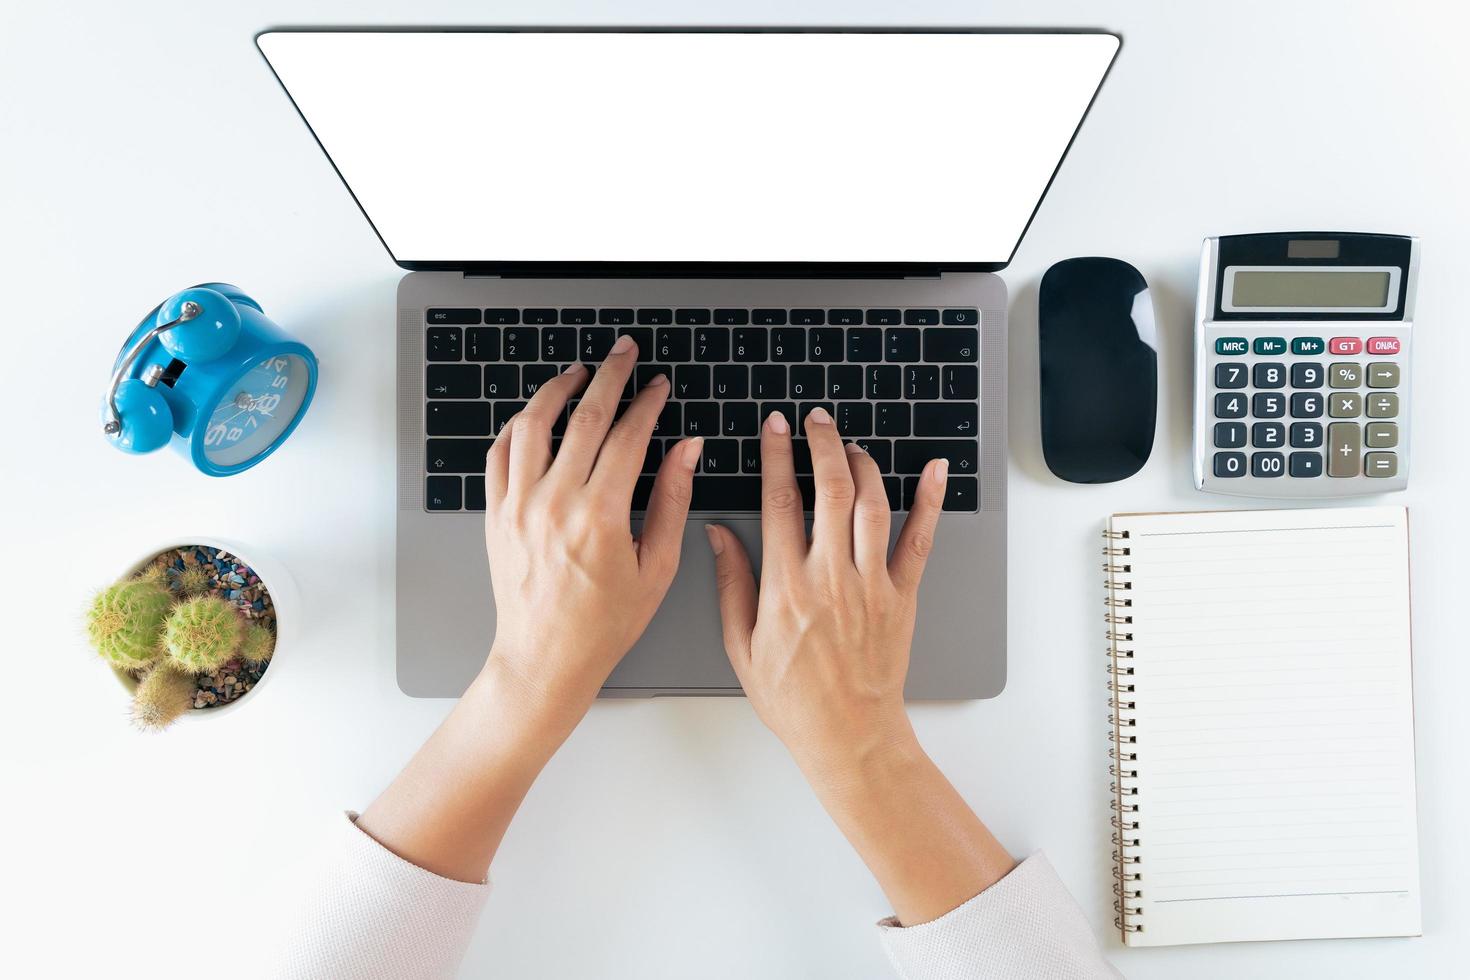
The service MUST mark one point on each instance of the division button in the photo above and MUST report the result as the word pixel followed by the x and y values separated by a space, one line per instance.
pixel 1383 405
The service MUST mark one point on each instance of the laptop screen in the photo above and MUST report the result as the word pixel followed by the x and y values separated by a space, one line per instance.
pixel 676 147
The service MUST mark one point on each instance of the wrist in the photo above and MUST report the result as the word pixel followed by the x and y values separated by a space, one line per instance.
pixel 844 768
pixel 522 716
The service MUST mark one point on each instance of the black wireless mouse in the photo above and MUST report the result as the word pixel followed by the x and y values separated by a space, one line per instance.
pixel 1099 370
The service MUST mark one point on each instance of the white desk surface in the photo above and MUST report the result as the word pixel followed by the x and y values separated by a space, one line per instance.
pixel 147 147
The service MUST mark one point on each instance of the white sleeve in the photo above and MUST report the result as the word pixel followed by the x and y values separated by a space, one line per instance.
pixel 375 916
pixel 1023 927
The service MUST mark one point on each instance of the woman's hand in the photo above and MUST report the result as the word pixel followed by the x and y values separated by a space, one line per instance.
pixel 573 588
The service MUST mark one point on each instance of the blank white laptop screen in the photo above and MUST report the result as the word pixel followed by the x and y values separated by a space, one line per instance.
pixel 694 147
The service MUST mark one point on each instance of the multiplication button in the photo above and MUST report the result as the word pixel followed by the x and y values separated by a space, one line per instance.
pixel 1345 405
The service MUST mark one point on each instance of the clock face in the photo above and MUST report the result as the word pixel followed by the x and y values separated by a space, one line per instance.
pixel 256 410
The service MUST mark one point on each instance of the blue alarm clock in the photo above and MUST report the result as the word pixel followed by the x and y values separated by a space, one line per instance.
pixel 208 371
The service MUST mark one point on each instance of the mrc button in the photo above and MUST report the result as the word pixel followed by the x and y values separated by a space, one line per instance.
pixel 1383 345
pixel 1231 345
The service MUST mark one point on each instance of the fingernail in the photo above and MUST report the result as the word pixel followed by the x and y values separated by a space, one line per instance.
pixel 657 380
pixel 623 345
pixel 819 415
pixel 941 471
pixel 577 368
pixel 776 422
pixel 692 450
pixel 852 448
pixel 716 542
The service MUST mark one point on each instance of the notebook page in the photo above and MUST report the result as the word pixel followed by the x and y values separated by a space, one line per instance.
pixel 1274 723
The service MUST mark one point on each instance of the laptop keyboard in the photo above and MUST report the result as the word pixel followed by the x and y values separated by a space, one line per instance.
pixel 902 383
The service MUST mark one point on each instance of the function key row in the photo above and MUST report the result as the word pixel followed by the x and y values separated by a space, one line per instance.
pixel 659 316
pixel 1306 346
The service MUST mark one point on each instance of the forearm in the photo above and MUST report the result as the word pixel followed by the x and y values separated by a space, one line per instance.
pixel 928 850
pixel 449 809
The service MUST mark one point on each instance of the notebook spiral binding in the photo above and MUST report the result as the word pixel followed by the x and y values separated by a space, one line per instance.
pixel 1124 750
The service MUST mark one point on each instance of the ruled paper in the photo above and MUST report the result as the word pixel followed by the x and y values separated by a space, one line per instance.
pixel 1275 725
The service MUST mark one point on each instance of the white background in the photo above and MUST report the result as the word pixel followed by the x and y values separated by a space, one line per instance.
pixel 146 147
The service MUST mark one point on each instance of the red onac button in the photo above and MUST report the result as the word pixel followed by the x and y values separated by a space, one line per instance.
pixel 1345 345
pixel 1383 345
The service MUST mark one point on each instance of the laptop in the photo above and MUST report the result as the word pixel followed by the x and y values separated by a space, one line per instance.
pixel 780 218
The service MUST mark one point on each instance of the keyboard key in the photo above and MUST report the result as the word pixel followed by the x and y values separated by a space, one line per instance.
pixel 442 493
pixel 578 316
pixel 712 344
pixel 962 493
pixel 501 416
pixel 502 316
pixel 457 419
pixel 1344 405
pixel 893 486
pixel 1229 435
pixel 1268 465
pixel 1270 346
pixel 1344 446
pixel 1229 465
pixel 502 380
pixel 1269 375
pixel 884 318
pixel 808 380
pixel 854 419
pixel 740 419
pixel 865 343
pixel 1267 435
pixel 733 318
pixel 1232 345
pixel 1383 345
pixel 1268 405
pixel 921 381
pixel 1381 465
pixel 881 450
pixel 732 381
pixel 538 316
pixel 921 318
pixel 456 455
pixel 768 381
pixel 826 345
pixel 1381 435
pixel 653 456
pixel 1306 404
pixel 474 493
pixel 1308 346
pixel 702 419
pixel 647 372
pixel 728 493
pixel 519 344
pixel 720 456
pixel 673 344
pixel 1306 375
pixel 750 455
pixel 1229 405
pixel 444 343
pixel 453 381
pixel 808 318
pixel 1344 345
pixel 768 318
pixel 670 420
pixel 801 457
pixel 692 317
pixel 617 316
pixel 910 455
pixel 845 318
pixel 1344 374
pixel 1383 374
pixel 1383 405
pixel 884 381
pixel 559 344
pixel 482 344
pixel 1306 435
pixel 788 409
pixel 533 376
pixel 642 337
pixel 804 409
pixel 595 343
pixel 691 381
pixel 844 381
pixel 962 381
pixel 942 344
pixel 441 317
pixel 946 419
pixel 748 344
pixel 901 343
pixel 891 418
pixel 655 317
pixel 961 318
pixel 788 344
pixel 1231 374
pixel 1304 465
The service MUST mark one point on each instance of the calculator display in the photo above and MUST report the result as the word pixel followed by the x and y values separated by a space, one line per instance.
pixel 1310 288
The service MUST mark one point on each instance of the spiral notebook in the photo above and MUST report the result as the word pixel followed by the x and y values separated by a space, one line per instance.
pixel 1263 726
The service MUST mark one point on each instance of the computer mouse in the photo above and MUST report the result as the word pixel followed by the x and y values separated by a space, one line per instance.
pixel 1099 370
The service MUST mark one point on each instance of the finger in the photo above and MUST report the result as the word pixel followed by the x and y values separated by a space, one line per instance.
pixel 621 458
pixel 497 467
pixel 668 509
pixel 832 510
pixel 783 529
pixel 870 516
pixel 530 447
pixel 594 415
pixel 916 539
pixel 736 583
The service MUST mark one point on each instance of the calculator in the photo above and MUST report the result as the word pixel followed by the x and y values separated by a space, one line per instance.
pixel 1302 377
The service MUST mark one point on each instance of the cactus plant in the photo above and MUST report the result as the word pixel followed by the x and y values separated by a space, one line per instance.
pixel 192 580
pixel 202 633
pixel 154 574
pixel 125 622
pixel 258 645
pixel 164 693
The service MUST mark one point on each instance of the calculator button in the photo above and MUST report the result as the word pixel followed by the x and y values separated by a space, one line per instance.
pixel 1305 465
pixel 1344 374
pixel 1267 464
pixel 1229 435
pixel 1345 405
pixel 1306 405
pixel 1383 405
pixel 1231 345
pixel 1268 405
pixel 1306 435
pixel 1343 445
pixel 1381 435
pixel 1308 346
pixel 1269 375
pixel 1270 346
pixel 1229 465
pixel 1383 374
pixel 1381 465
pixel 1267 435
pixel 1345 345
pixel 1231 374
pixel 1306 375
pixel 1383 345
pixel 1229 406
